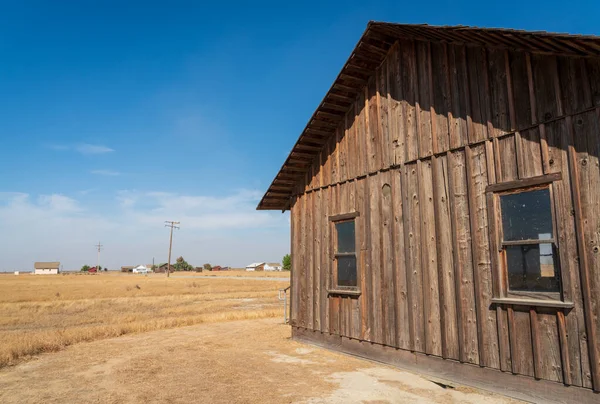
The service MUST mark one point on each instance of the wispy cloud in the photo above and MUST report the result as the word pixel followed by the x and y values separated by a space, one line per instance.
pixel 59 203
pixel 86 191
pixel 221 228
pixel 86 148
pixel 83 148
pixel 202 212
pixel 109 173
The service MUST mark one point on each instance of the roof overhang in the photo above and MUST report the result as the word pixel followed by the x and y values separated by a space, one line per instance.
pixel 369 53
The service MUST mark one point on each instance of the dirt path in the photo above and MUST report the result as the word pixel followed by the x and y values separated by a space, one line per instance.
pixel 235 362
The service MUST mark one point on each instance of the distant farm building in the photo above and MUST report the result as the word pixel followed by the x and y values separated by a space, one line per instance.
pixel 220 268
pixel 92 270
pixel 46 268
pixel 273 266
pixel 256 266
pixel 127 268
pixel 141 269
pixel 162 268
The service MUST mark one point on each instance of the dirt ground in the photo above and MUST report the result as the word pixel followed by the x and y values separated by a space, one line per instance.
pixel 252 361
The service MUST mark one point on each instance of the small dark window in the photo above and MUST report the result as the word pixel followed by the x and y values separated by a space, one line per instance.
pixel 528 241
pixel 346 254
pixel 345 237
pixel 531 268
pixel 527 215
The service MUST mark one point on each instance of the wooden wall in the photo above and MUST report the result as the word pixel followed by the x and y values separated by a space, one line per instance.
pixel 437 123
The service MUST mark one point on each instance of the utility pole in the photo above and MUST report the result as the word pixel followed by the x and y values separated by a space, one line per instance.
pixel 172 225
pixel 99 246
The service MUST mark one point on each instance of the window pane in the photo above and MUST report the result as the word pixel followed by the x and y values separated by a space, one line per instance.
pixel 345 237
pixel 532 268
pixel 527 215
pixel 346 271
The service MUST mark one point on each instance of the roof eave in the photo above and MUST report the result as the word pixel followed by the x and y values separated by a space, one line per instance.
pixel 532 41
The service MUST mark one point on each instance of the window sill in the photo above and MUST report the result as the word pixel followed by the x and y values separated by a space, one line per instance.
pixel 533 302
pixel 345 292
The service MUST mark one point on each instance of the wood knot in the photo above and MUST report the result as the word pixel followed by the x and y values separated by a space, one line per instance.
pixel 584 162
pixel 386 190
pixel 547 116
pixel 595 250
pixel 579 121
pixel 551 161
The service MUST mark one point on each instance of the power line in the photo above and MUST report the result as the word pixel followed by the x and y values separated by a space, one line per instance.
pixel 99 247
pixel 172 225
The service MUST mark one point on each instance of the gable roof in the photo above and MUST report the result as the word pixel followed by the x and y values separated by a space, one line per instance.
pixel 273 264
pixel 255 264
pixel 368 54
pixel 47 265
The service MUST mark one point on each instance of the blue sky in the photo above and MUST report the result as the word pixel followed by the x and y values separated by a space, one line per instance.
pixel 116 116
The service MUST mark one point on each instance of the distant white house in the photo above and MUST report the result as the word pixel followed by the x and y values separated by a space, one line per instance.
pixel 46 268
pixel 273 266
pixel 141 269
pixel 256 266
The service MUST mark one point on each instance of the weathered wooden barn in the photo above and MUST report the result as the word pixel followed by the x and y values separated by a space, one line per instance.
pixel 445 209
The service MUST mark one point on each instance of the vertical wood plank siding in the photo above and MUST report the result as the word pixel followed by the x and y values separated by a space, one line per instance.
pixel 435 125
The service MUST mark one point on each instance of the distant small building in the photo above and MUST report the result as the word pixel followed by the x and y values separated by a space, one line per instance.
pixel 256 266
pixel 273 266
pixel 46 268
pixel 141 269
pixel 92 270
pixel 127 268
pixel 162 268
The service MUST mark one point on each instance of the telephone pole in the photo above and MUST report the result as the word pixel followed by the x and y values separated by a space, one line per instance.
pixel 99 246
pixel 172 225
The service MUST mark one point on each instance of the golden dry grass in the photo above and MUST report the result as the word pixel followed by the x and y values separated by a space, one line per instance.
pixel 46 313
pixel 237 272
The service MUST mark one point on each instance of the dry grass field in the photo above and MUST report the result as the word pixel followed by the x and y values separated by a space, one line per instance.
pixel 66 325
pixel 47 313
pixel 236 273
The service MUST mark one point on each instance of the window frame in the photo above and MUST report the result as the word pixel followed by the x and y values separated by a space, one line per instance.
pixel 502 293
pixel 334 288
